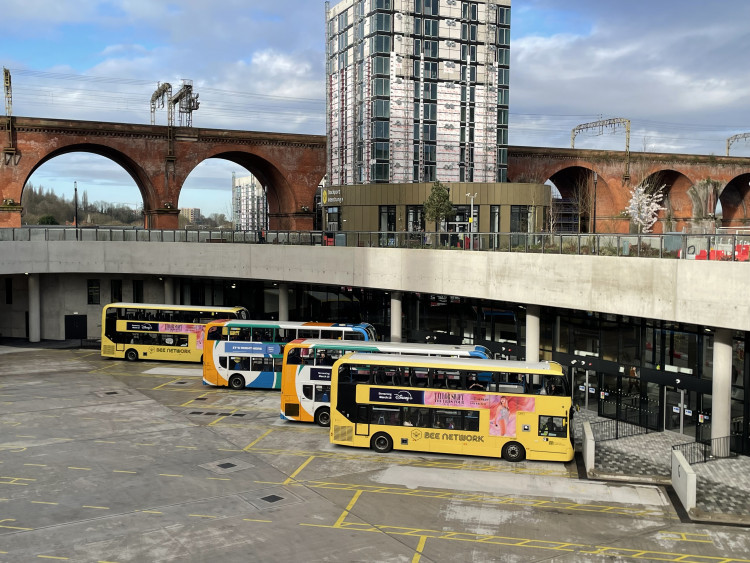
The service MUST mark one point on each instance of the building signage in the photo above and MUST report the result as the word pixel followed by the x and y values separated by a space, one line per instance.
pixel 332 197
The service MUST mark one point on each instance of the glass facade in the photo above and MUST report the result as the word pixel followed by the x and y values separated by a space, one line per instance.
pixel 430 79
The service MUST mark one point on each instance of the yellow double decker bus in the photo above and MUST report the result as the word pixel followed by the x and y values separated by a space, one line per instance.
pixel 306 370
pixel 462 406
pixel 159 332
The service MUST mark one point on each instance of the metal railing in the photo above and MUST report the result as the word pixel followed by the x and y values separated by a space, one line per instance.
pixel 716 448
pixel 615 429
pixel 722 247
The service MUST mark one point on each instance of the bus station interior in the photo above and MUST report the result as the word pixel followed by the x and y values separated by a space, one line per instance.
pixel 648 372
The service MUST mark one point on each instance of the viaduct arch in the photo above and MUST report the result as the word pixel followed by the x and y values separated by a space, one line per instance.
pixel 290 167
pixel 159 159
pixel 600 184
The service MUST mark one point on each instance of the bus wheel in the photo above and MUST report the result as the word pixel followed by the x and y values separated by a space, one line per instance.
pixel 381 443
pixel 237 382
pixel 131 355
pixel 323 416
pixel 513 451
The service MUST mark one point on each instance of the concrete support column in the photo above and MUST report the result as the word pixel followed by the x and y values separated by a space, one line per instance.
pixel 721 391
pixel 283 302
pixel 396 312
pixel 35 309
pixel 168 291
pixel 532 333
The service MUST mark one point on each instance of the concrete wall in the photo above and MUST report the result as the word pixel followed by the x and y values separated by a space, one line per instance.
pixel 683 480
pixel 67 294
pixel 589 448
pixel 698 292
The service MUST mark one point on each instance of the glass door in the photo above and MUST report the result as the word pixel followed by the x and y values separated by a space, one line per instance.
pixel 609 395
pixel 584 388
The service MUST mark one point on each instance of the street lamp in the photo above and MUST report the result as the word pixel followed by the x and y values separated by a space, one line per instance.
pixel 471 220
pixel 75 199
pixel 593 226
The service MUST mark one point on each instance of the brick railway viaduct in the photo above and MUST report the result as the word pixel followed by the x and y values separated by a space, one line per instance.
pixel 160 158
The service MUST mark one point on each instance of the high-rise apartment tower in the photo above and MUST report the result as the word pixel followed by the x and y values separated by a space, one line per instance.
pixel 249 207
pixel 417 91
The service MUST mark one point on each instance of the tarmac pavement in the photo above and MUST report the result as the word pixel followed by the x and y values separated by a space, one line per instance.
pixel 111 461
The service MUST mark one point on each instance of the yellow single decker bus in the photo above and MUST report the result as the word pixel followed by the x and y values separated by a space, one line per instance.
pixel 158 331
pixel 306 370
pixel 464 406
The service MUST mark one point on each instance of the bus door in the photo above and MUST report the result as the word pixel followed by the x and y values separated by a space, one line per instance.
pixel 362 426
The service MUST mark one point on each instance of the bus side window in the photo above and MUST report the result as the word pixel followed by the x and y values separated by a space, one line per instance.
pixel 322 393
pixel 223 361
pixel 293 357
pixel 380 376
pixel 552 426
pixel 307 391
pixel 418 378
pixel 471 421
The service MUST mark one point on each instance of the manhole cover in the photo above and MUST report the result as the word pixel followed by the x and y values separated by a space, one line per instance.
pixel 226 465
pixel 272 498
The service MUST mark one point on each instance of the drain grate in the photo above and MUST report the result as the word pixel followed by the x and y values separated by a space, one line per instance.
pixel 275 497
pixel 228 465
pixel 214 413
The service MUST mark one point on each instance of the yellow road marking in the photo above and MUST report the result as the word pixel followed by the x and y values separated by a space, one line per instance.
pixel 528 543
pixel 80 468
pixel 35 465
pixel 420 549
pixel 13 527
pixel 42 502
pixel 202 516
pixel 410 461
pixel 123 471
pixel 104 442
pixel 53 557
pixel 15 481
pixel 300 468
pixel 96 507
pixel 152 512
pixel 254 520
pixel 683 536
pixel 348 508
pixel 203 396
pixel 485 498
pixel 170 382
pixel 168 475
pixel 218 479
pixel 251 444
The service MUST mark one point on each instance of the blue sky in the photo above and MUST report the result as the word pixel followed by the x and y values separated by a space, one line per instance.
pixel 677 69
